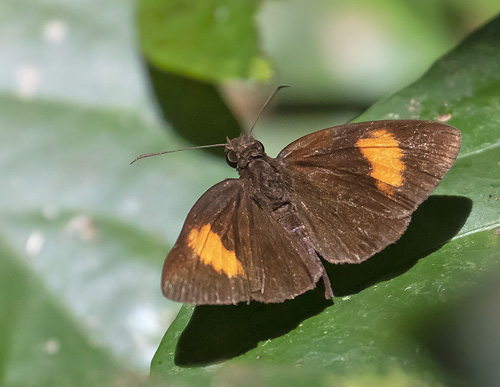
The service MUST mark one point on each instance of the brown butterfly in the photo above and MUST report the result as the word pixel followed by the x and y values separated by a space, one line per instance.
pixel 341 194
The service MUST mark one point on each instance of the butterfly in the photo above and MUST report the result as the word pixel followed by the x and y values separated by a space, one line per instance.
pixel 340 194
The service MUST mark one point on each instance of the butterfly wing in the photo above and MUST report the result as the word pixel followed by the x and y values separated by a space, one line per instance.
pixel 356 185
pixel 230 250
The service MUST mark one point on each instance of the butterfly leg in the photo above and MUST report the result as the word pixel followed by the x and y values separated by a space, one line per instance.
pixel 327 285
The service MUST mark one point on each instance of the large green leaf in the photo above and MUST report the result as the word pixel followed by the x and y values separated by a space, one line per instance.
pixel 35 345
pixel 89 225
pixel 81 232
pixel 210 40
pixel 370 330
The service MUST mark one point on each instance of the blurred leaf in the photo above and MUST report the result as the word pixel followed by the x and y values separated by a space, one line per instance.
pixel 363 50
pixel 371 332
pixel 90 226
pixel 82 233
pixel 66 51
pixel 38 340
pixel 211 40
pixel 464 336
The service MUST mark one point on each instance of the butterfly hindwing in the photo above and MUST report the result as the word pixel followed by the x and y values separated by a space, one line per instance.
pixel 355 186
pixel 226 253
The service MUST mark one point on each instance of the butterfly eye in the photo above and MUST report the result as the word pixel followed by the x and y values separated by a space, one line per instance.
pixel 232 159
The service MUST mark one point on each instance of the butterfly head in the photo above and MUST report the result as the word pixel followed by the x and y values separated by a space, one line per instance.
pixel 241 150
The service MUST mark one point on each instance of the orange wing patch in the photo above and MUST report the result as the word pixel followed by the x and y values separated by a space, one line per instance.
pixel 208 246
pixel 382 150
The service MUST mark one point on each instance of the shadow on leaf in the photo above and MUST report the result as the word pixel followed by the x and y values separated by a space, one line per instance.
pixel 194 108
pixel 217 333
pixel 433 224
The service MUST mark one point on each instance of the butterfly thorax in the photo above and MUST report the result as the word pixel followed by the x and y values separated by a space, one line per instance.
pixel 259 172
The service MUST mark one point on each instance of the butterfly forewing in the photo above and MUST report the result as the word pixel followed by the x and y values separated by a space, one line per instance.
pixel 355 186
pixel 200 268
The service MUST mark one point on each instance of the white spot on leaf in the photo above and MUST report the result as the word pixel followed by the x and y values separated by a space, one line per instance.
pixel 28 79
pixel 55 31
pixel 52 346
pixel 35 243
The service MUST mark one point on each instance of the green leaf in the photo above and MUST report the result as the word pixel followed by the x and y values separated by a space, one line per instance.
pixel 211 40
pixel 370 331
pixel 82 233
pixel 38 340
pixel 91 228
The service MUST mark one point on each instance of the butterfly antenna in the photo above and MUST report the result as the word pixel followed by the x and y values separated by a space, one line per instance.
pixel 265 105
pixel 172 151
